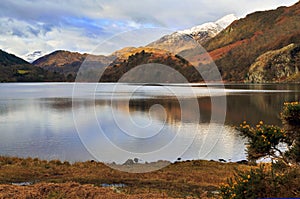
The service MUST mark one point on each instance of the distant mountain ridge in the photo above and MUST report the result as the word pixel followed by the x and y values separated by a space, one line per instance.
pixel 61 61
pixel 15 69
pixel 59 58
pixel 68 63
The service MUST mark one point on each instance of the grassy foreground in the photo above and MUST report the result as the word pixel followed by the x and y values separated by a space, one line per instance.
pixel 55 179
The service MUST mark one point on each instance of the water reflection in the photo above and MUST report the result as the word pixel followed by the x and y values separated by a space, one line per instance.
pixel 41 124
pixel 251 107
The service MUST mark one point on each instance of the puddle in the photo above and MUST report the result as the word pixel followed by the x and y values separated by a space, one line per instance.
pixel 22 183
pixel 113 185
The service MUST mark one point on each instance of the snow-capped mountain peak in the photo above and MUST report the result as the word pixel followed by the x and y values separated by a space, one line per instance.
pixel 184 39
pixel 211 26
pixel 226 20
pixel 204 27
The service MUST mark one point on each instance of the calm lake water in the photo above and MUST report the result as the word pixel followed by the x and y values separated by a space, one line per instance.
pixel 114 122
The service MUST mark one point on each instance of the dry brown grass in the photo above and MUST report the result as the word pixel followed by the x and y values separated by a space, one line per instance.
pixel 183 179
pixel 66 190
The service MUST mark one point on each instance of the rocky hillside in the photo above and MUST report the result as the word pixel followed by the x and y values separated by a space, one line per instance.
pixel 15 69
pixel 237 49
pixel 275 65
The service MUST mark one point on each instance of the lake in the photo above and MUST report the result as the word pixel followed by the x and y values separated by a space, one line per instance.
pixel 114 122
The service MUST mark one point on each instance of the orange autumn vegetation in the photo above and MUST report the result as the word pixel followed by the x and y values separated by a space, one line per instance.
pixel 197 178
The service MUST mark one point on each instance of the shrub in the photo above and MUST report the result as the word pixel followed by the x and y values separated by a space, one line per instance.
pixel 263 183
pixel 282 179
pixel 263 140
pixel 290 117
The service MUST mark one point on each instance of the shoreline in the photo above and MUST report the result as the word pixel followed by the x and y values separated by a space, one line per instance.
pixel 193 178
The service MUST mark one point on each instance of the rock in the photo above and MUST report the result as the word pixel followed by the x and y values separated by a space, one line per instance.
pixel 275 65
pixel 129 162
pixel 242 162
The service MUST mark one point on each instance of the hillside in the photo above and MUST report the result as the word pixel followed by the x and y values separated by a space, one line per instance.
pixel 237 47
pixel 151 68
pixel 7 59
pixel 15 69
pixel 68 63
pixel 60 61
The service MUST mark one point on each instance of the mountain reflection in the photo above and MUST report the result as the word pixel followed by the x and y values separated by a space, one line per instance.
pixel 250 107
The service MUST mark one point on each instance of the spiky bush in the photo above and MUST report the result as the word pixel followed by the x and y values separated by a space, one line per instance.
pixel 282 178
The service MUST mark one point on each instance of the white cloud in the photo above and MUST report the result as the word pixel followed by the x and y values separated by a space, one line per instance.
pixel 22 38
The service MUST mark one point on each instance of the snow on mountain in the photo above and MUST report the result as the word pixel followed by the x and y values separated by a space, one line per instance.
pixel 214 27
pixel 201 28
pixel 33 56
pixel 226 20
pixel 184 39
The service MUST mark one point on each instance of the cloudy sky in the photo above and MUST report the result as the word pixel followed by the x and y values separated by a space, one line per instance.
pixel 80 25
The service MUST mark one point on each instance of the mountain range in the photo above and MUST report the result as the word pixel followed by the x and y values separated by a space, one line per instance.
pixel 15 69
pixel 262 47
